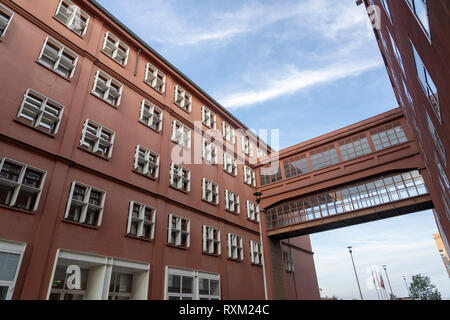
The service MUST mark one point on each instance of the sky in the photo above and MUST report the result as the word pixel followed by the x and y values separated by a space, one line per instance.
pixel 305 67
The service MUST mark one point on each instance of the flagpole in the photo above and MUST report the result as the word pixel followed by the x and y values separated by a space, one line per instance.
pixel 389 281
pixel 354 268
pixel 375 284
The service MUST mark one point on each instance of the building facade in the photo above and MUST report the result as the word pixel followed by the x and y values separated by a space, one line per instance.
pixel 443 252
pixel 95 202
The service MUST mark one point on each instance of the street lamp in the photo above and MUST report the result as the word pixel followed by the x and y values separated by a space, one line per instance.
pixel 354 268
pixel 258 200
pixel 385 270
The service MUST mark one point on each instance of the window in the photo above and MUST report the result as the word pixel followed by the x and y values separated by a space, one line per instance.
pixel 249 176
pixel 397 53
pixel 210 191
pixel 183 99
pixel 181 134
pixel 6 16
pixel 72 16
pixel 115 48
pixel 296 166
pixel 437 140
pixel 419 8
pixel 211 240
pixel 408 96
pixel 58 58
pixel 235 248
pixel 386 8
pixel 229 164
pixel 252 211
pixel 209 151
pixel 155 78
pixel 85 205
pixel 185 284
pixel 427 83
pixel 179 231
pixel 324 157
pixel 255 253
pixel 120 286
pixel 228 133
pixel 246 146
pixel 209 118
pixel 354 147
pixel 180 178
pixel 107 88
pixel 442 172
pixel 288 262
pixel 268 175
pixel 151 115
pixel 20 185
pixel 97 139
pixel 232 202
pixel 40 112
pixel 387 136
pixel 260 153
pixel 146 162
pixel 11 254
pixel 141 220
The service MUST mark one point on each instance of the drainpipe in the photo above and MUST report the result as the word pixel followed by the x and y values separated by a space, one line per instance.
pixel 262 258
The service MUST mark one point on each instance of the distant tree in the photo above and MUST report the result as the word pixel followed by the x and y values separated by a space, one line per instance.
pixel 330 298
pixel 421 288
pixel 392 297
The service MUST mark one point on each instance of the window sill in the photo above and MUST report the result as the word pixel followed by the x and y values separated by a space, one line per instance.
pixel 80 224
pixel 160 92
pixel 211 254
pixel 211 203
pixel 39 129
pixel 188 112
pixel 236 260
pixel 17 209
pixel 138 238
pixel 144 175
pixel 186 192
pixel 185 148
pixel 232 212
pixel 93 153
pixel 144 124
pixel 58 74
pixel 122 65
pixel 104 101
pixel 177 247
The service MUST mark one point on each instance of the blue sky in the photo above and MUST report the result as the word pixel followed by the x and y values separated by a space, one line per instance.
pixel 306 67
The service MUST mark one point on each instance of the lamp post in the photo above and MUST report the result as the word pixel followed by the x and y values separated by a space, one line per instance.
pixel 354 268
pixel 258 200
pixel 406 284
pixel 389 281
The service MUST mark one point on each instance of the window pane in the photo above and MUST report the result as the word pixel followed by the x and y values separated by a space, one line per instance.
pixel 203 286
pixel 174 284
pixel 187 284
pixel 8 266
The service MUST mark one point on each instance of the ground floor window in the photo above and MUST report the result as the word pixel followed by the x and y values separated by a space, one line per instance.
pixel 11 254
pixel 183 284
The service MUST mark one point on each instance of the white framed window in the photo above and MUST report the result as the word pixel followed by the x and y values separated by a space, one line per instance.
pixel 397 53
pixel 260 153
pixel 183 99
pixel 386 8
pixel 211 240
pixel 255 253
pixel 235 247
pixel 97 139
pixel 155 78
pixel 58 58
pixel 41 112
pixel 252 211
pixel 183 284
pixel 249 176
pixel 180 177
pixel 288 262
pixel 179 231
pixel 228 133
pixel 229 164
pixel 11 255
pixel 20 185
pixel 246 146
pixel 85 204
pixel 6 16
pixel 443 175
pixel 232 202
pixel 210 191
pixel 209 118
pixel 437 140
pixel 181 134
pixel 141 220
pixel 209 151
pixel 107 88
pixel 72 16
pixel 151 115
pixel 146 162
pixel 115 48
pixel 420 10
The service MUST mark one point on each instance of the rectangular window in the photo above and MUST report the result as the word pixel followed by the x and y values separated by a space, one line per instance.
pixel 11 254
pixel 387 136
pixel 354 147
pixel 185 284
pixel 210 191
pixel 115 48
pixel 229 164
pixel 72 16
pixel 20 185
pixel 120 286
pixel 211 240
pixel 288 262
pixel 6 16
pixel 437 140
pixel 181 134
pixel 324 157
pixel 209 151
pixel 107 88
pixel 296 166
pixel 85 205
pixel 252 211
pixel 179 231
pixel 232 202
pixel 441 172
pixel 268 175
pixel 141 221
pixel 260 153
pixel 40 112
pixel 208 286
pixel 151 115
pixel 180 178
pixel 183 99
pixel 249 176
pixel 420 10
pixel 255 253
pixel 397 54
pixel 155 78
pixel 209 118
pixel 58 58
pixel 386 8
pixel 97 139
pixel 228 133
pixel 246 146
pixel 146 162
pixel 235 247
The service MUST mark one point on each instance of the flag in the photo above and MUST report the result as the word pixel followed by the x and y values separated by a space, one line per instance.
pixel 382 282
